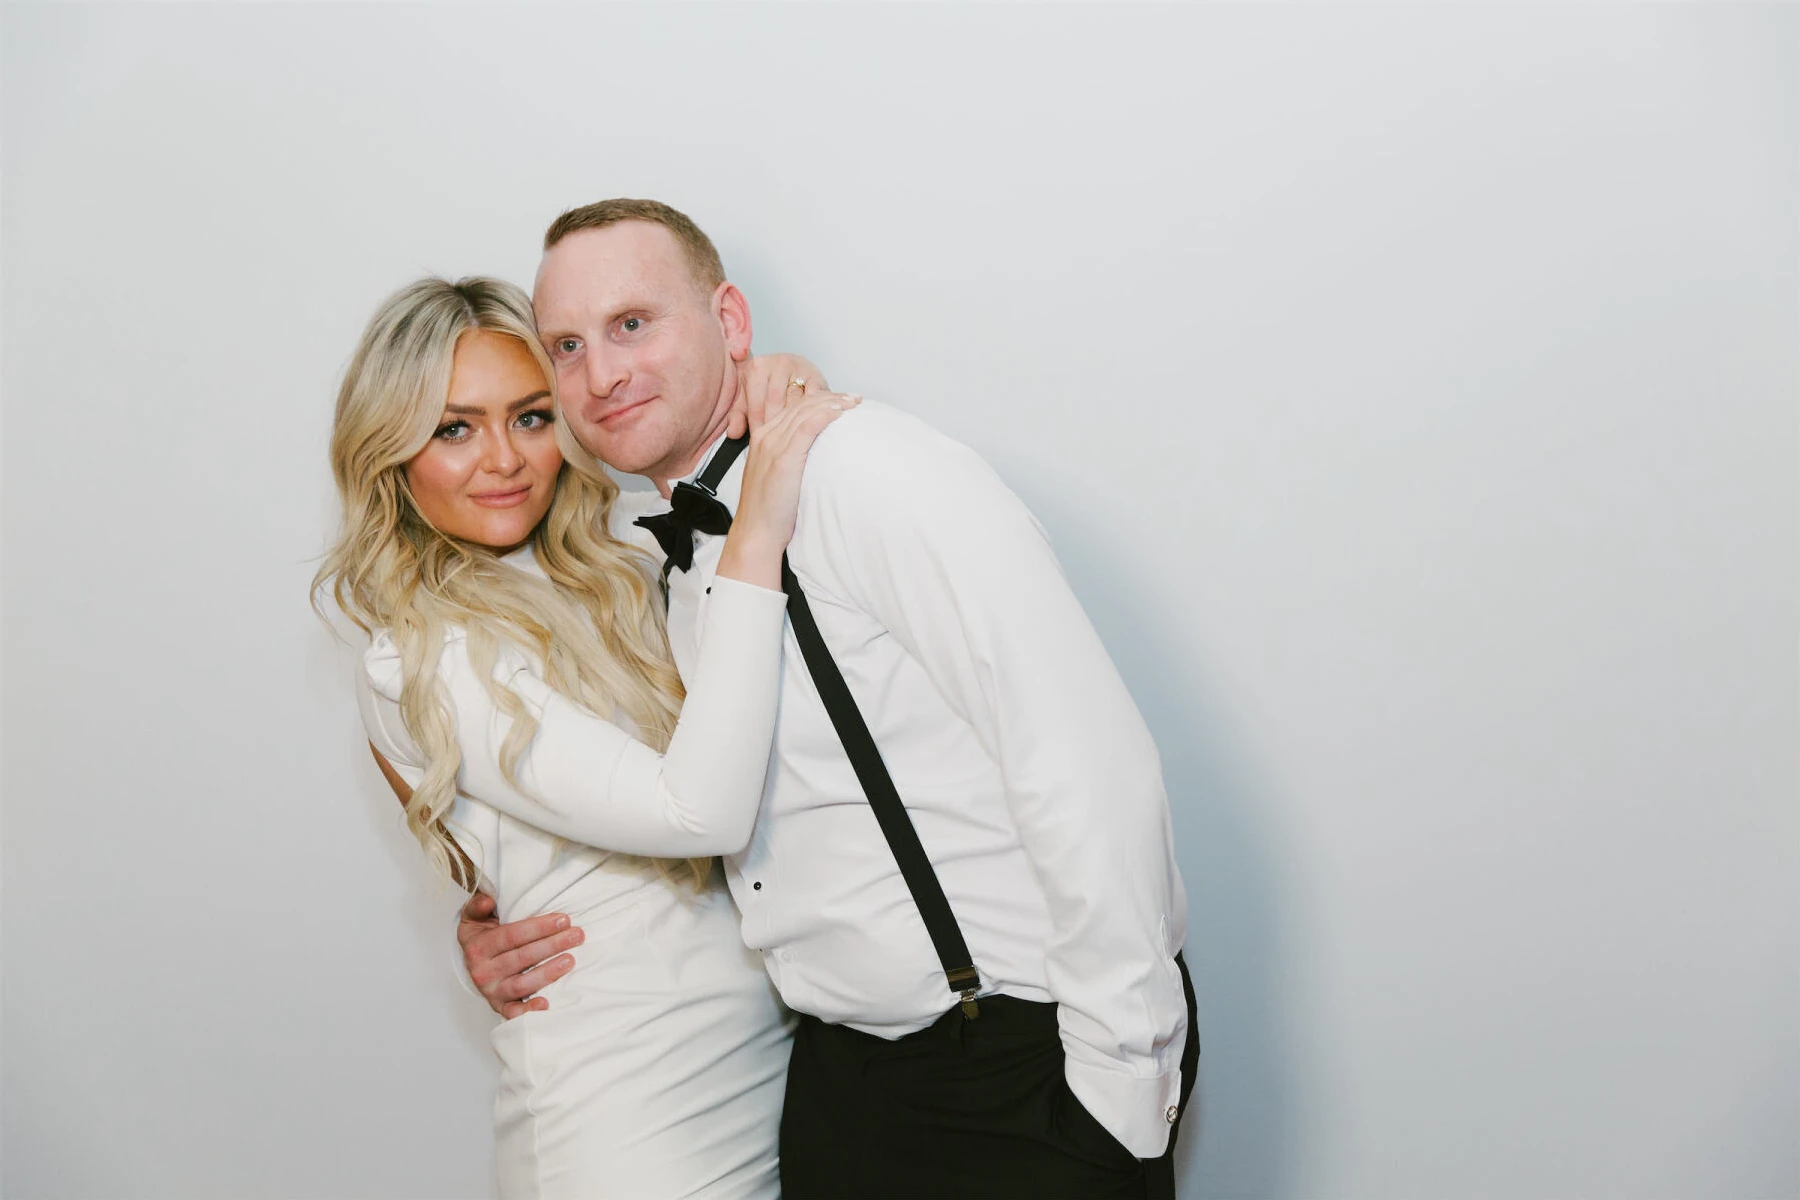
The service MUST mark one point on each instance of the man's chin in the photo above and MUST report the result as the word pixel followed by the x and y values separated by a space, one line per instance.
pixel 619 453
pixel 644 445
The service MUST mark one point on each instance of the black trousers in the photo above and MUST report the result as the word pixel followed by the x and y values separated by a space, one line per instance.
pixel 963 1108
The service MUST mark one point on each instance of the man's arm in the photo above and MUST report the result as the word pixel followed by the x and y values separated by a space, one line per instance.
pixel 506 963
pixel 928 541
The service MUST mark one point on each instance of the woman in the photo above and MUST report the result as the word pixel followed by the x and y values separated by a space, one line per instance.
pixel 518 680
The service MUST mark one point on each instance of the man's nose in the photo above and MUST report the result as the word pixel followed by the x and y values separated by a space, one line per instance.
pixel 604 372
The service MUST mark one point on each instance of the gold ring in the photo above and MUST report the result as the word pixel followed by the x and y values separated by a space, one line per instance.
pixel 797 382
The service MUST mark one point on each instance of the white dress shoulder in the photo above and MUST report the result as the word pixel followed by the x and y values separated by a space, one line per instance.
pixel 659 1068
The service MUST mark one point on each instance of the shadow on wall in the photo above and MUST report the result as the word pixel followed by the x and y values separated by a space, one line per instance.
pixel 1234 1140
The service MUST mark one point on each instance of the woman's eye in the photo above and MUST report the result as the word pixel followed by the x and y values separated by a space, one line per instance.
pixel 537 418
pixel 452 431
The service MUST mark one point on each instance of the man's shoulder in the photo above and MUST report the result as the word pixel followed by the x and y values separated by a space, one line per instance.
pixel 877 453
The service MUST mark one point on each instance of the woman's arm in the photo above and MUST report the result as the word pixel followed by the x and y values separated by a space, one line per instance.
pixel 587 779
pixel 402 789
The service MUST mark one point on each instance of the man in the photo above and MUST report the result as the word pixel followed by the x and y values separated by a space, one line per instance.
pixel 1055 1066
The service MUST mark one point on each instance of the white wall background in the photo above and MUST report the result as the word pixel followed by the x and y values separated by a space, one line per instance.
pixel 1410 391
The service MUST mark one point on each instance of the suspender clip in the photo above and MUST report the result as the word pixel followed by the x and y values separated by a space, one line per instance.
pixel 965 982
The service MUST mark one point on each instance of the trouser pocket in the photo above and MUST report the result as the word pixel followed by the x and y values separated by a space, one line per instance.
pixel 1081 1135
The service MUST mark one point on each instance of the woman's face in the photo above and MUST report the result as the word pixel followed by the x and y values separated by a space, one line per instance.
pixel 488 473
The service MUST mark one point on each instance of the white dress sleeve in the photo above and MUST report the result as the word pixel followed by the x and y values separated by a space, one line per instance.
pixel 587 779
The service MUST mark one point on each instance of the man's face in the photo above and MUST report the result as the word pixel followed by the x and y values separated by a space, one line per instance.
pixel 643 352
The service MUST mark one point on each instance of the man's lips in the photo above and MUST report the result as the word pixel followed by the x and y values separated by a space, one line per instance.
pixel 505 499
pixel 612 417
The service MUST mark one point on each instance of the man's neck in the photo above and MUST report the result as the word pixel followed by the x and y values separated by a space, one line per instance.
pixel 664 477
pixel 689 463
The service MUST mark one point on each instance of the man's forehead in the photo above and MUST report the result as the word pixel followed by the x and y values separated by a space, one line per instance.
pixel 600 268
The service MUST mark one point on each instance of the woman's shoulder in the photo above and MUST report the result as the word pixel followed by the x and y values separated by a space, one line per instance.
pixel 383 663
pixel 382 660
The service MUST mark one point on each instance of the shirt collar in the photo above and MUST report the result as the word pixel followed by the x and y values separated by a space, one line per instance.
pixel 731 487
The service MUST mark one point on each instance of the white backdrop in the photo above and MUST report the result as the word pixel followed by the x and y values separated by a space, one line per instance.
pixel 1410 392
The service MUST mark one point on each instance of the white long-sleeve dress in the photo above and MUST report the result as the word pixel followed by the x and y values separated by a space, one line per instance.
pixel 658 1070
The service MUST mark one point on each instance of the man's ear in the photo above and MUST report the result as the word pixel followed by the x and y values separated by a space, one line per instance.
pixel 733 312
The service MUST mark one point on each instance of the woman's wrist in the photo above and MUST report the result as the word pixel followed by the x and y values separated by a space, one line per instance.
pixel 751 557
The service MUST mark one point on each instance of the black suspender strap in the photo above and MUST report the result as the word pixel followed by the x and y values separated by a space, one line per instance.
pixel 884 800
pixel 890 813
pixel 708 482
pixel 722 458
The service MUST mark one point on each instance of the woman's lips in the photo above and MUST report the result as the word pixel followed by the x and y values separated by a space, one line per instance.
pixel 502 499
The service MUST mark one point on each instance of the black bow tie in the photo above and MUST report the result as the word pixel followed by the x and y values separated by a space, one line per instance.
pixel 696 511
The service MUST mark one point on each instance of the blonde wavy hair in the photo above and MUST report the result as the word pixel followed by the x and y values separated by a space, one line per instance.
pixel 596 625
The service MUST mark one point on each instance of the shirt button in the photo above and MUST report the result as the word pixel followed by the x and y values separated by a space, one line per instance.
pixel 1171 1113
pixel 757 886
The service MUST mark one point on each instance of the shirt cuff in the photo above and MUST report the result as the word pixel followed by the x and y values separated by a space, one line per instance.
pixel 1136 1111
pixel 742 620
pixel 724 585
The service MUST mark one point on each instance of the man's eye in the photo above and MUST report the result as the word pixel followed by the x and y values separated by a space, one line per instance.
pixel 630 324
pixel 567 345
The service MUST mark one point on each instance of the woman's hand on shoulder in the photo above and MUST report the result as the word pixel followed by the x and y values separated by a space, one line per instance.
pixel 765 385
pixel 769 501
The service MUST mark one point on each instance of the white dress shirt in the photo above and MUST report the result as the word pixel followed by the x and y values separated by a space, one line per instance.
pixel 1028 771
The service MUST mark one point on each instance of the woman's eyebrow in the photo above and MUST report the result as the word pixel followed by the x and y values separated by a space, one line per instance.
pixel 476 410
